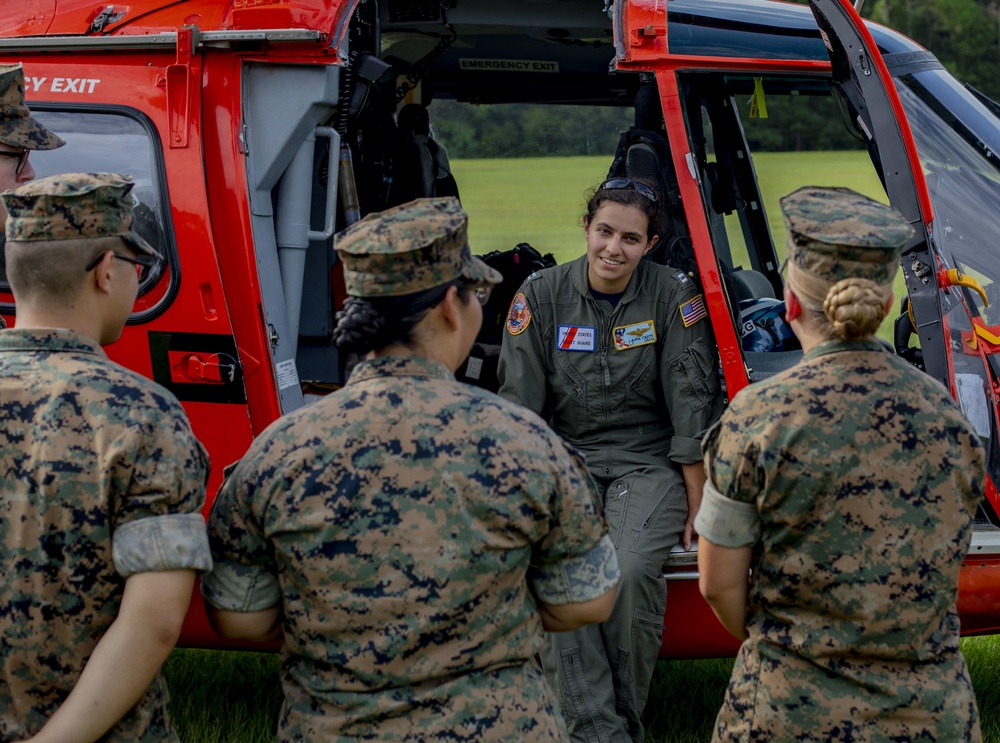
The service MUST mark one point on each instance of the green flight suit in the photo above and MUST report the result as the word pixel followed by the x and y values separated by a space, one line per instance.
pixel 633 387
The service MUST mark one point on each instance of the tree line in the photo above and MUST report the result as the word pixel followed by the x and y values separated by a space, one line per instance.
pixel 963 34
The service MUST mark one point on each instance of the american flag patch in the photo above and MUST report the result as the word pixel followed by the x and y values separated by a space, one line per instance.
pixel 693 311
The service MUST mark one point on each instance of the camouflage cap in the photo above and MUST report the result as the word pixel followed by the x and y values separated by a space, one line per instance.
pixel 17 127
pixel 410 248
pixel 836 233
pixel 72 205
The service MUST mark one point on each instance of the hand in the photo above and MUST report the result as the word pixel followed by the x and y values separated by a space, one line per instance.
pixel 689 532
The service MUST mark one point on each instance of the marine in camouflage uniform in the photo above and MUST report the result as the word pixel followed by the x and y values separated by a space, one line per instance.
pixel 103 480
pixel 633 386
pixel 20 134
pixel 855 478
pixel 409 525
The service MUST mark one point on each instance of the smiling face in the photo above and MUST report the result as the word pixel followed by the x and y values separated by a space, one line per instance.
pixel 616 242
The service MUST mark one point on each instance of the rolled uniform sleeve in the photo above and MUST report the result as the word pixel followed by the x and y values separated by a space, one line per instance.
pixel 690 378
pixel 576 560
pixel 521 370
pixel 729 515
pixel 157 525
pixel 244 576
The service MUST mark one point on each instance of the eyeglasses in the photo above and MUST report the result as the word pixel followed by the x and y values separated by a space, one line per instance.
pixel 482 292
pixel 22 159
pixel 615 184
pixel 144 264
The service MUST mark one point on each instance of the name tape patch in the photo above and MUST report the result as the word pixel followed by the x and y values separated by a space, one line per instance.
pixel 637 334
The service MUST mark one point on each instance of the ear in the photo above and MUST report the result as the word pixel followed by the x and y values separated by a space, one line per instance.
pixel 888 304
pixel 586 224
pixel 102 272
pixel 450 308
pixel 793 308
pixel 651 244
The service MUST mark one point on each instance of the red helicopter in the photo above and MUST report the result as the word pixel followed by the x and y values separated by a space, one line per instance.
pixel 257 129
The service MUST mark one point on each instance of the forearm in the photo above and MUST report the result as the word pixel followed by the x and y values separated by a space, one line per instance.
pixel 127 658
pixel 723 581
pixel 251 626
pixel 694 483
pixel 730 606
pixel 566 617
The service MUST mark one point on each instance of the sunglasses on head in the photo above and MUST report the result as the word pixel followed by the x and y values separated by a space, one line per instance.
pixel 620 183
pixel 143 263
pixel 22 159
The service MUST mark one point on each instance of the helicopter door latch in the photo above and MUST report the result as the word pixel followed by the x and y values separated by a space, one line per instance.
pixel 954 277
pixel 199 368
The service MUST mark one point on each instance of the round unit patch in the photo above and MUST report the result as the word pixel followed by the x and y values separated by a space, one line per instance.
pixel 519 315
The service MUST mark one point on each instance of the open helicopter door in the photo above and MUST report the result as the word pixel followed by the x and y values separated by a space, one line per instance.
pixel 861 76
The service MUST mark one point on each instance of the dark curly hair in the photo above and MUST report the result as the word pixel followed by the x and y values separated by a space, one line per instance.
pixel 627 197
pixel 371 323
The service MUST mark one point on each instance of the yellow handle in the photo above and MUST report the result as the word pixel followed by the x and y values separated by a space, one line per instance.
pixel 957 278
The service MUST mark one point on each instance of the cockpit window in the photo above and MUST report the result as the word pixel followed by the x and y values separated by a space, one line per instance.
pixel 119 143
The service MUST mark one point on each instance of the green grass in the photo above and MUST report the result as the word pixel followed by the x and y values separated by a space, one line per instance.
pixel 234 697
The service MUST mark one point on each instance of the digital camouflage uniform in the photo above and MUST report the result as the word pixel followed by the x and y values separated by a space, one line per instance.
pixel 103 479
pixel 407 524
pixel 856 476
pixel 633 387
pixel 19 129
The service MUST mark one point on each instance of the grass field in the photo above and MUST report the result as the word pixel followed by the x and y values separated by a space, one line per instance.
pixel 234 697
pixel 541 201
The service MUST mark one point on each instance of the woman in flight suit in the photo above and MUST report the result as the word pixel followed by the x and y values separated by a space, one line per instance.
pixel 617 354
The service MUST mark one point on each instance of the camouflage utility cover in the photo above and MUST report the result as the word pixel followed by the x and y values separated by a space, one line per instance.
pixel 407 523
pixel 17 127
pixel 861 476
pixel 103 479
pixel 836 233
pixel 410 248
pixel 73 205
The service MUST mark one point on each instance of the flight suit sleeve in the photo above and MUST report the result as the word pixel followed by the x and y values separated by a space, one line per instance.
pixel 689 374
pixel 158 525
pixel 576 560
pixel 521 369
pixel 244 576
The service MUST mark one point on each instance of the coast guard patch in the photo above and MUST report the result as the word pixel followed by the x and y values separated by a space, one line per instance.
pixel 637 334
pixel 519 315
pixel 576 338
pixel 692 311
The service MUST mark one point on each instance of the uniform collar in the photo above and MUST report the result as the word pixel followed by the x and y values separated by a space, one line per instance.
pixel 582 285
pixel 836 346
pixel 399 366
pixel 52 340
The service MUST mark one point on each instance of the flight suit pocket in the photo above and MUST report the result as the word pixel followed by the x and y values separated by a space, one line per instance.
pixel 639 393
pixel 570 409
pixel 695 373
pixel 615 506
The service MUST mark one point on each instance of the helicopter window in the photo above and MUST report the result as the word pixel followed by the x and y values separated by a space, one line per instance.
pixel 756 139
pixel 113 142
